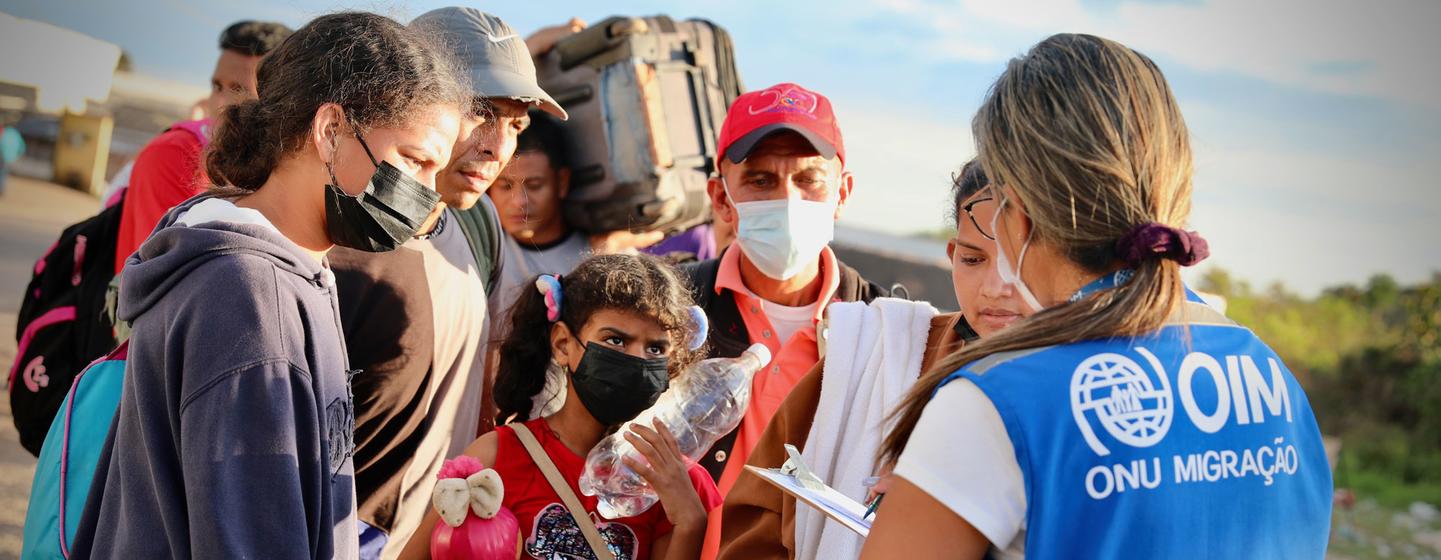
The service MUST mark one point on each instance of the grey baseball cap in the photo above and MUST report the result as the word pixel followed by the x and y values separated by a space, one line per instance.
pixel 492 53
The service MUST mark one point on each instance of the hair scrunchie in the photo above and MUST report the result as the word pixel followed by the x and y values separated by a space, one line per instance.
pixel 1153 240
pixel 549 286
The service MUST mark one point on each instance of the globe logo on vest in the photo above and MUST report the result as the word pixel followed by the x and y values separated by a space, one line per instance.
pixel 1132 404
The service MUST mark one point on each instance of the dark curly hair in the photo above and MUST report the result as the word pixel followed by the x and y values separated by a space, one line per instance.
pixel 378 70
pixel 634 283
pixel 965 184
pixel 253 38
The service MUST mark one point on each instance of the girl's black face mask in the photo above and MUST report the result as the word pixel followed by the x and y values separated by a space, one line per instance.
pixel 385 215
pixel 616 387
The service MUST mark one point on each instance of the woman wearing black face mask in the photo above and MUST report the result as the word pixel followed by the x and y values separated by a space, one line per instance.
pixel 587 353
pixel 234 427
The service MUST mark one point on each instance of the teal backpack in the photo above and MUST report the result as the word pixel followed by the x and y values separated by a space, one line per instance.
pixel 68 458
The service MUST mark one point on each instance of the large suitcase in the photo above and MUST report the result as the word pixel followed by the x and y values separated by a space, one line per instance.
pixel 646 98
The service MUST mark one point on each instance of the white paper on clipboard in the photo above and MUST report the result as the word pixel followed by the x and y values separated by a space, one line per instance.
pixel 827 500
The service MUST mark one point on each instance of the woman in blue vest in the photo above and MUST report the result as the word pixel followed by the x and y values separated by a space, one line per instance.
pixel 1125 419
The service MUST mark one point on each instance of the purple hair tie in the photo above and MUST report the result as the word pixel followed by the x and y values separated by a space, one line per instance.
pixel 1155 240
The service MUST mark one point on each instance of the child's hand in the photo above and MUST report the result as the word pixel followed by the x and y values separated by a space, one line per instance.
pixel 667 473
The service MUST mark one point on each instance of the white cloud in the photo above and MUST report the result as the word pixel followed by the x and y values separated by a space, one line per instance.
pixel 1268 241
pixel 1270 214
pixel 1314 221
pixel 1381 49
pixel 902 164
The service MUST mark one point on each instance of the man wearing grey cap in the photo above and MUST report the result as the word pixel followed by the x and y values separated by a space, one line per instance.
pixel 415 318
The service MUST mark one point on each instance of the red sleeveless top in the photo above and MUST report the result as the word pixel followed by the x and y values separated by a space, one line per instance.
pixel 545 523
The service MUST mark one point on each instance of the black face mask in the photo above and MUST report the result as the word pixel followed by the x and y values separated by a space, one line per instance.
pixel 615 386
pixel 386 214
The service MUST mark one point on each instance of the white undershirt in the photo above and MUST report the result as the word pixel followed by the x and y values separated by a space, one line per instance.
pixel 787 320
pixel 961 455
pixel 221 210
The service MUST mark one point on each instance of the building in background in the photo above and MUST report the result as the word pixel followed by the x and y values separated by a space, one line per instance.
pixel 82 114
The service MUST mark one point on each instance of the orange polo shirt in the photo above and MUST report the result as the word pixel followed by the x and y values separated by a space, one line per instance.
pixel 791 359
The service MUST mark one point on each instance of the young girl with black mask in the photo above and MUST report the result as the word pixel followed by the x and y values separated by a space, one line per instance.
pixel 615 330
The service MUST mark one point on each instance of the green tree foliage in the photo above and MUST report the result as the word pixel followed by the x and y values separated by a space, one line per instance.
pixel 1370 358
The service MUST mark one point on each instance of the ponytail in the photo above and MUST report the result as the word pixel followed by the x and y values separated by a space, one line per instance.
pixel 525 356
pixel 1137 307
pixel 240 157
pixel 1087 134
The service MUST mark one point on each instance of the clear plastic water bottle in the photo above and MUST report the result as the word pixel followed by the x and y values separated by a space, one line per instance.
pixel 699 408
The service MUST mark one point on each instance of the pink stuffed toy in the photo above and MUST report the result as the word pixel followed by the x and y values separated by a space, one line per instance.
pixel 473 524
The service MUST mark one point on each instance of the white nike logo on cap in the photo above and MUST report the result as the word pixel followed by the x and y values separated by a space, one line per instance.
pixel 498 40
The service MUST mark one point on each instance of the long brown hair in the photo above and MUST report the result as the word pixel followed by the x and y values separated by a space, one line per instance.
pixel 1089 138
pixel 379 71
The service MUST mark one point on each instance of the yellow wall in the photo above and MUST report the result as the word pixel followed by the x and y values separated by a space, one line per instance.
pixel 81 151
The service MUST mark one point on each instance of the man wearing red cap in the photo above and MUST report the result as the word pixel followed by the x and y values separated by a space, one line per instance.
pixel 781 183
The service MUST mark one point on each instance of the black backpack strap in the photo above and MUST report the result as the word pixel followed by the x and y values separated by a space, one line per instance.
pixel 482 230
pixel 728 339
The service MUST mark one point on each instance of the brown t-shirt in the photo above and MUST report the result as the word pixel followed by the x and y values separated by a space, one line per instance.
pixel 387 318
pixel 759 519
pixel 415 322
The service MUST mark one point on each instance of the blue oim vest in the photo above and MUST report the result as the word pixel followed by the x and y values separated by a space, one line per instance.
pixel 1193 442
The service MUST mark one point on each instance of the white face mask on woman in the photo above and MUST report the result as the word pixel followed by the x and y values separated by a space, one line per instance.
pixel 782 237
pixel 1003 263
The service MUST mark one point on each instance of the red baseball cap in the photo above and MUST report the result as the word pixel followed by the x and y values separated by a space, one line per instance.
pixel 758 114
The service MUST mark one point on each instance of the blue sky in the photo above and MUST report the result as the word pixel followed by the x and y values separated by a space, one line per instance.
pixel 1316 124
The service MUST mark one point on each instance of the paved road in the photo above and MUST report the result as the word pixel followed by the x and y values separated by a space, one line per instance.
pixel 32 214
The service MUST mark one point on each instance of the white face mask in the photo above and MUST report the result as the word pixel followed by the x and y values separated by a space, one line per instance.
pixel 782 237
pixel 1003 264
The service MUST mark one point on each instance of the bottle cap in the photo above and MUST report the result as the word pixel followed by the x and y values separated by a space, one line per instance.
pixel 760 352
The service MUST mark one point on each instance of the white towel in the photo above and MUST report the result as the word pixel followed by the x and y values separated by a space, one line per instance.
pixel 873 356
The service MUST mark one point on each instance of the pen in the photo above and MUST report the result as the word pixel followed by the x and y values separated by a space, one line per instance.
pixel 871 509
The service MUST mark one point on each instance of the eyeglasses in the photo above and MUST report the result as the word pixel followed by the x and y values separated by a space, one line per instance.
pixel 972 204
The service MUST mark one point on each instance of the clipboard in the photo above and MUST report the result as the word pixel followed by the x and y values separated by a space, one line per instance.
pixel 795 479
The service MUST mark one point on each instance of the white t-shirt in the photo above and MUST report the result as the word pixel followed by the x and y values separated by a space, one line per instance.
pixel 961 455
pixel 222 210
pixel 786 320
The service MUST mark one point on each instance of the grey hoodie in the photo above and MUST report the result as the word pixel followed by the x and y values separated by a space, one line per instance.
pixel 233 435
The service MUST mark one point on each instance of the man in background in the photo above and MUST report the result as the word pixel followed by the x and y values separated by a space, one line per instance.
pixel 530 196
pixel 169 169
